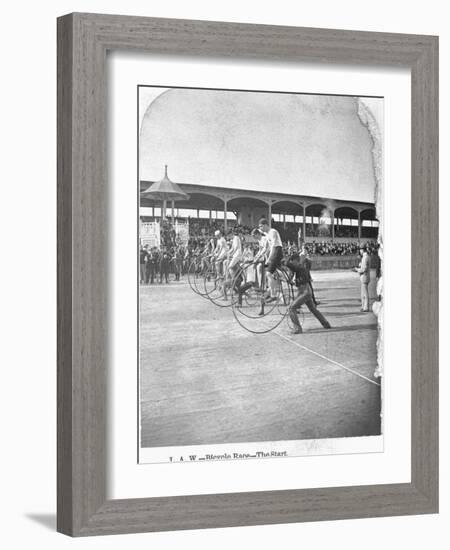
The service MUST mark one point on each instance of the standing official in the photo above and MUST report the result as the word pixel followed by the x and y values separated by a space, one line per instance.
pixel 364 276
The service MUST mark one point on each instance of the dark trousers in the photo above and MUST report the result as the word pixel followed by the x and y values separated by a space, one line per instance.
pixel 164 273
pixel 150 273
pixel 239 285
pixel 312 294
pixel 305 296
pixel 229 281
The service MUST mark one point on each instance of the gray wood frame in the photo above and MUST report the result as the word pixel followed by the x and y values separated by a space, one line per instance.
pixel 83 40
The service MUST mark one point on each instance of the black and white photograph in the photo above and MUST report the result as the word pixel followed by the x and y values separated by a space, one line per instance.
pixel 260 274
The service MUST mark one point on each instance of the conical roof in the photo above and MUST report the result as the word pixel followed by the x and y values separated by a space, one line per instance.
pixel 165 189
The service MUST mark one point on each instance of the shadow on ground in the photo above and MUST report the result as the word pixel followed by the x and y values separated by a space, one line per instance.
pixel 341 329
pixel 46 520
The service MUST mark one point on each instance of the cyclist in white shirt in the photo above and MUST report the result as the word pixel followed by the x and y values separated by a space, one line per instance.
pixel 235 253
pixel 262 254
pixel 234 261
pixel 263 243
pixel 208 252
pixel 220 252
pixel 210 247
pixel 275 255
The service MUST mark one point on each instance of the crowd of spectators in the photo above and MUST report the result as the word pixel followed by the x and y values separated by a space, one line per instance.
pixel 347 231
pixel 200 231
pixel 289 231
pixel 174 257
pixel 326 248
pixel 156 264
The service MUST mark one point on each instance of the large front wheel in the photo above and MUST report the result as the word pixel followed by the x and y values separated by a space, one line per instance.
pixel 196 274
pixel 262 301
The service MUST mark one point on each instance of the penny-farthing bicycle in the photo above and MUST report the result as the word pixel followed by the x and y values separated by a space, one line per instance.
pixel 198 268
pixel 218 285
pixel 260 306
pixel 256 307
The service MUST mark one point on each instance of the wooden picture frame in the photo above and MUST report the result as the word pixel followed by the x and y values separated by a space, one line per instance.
pixel 83 41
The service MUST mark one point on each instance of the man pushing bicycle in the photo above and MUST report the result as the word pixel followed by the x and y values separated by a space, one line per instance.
pixel 304 295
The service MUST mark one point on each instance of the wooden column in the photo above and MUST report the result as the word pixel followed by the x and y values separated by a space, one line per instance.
pixel 359 226
pixel 304 223
pixel 225 224
pixel 332 225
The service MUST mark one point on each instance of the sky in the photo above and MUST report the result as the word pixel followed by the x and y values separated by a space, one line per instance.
pixel 288 143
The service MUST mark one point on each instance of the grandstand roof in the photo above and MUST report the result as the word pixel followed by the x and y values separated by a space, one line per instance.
pixel 205 197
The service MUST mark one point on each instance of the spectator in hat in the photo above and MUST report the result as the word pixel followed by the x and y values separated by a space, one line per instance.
pixel 143 257
pixel 150 271
pixel 364 276
pixel 164 266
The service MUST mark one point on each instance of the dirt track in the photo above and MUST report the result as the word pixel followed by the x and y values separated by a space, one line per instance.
pixel 205 380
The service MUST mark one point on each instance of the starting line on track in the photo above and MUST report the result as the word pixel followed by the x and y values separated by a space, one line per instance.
pixel 348 369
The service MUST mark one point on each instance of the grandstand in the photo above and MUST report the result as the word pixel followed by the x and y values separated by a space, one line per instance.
pixel 307 217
